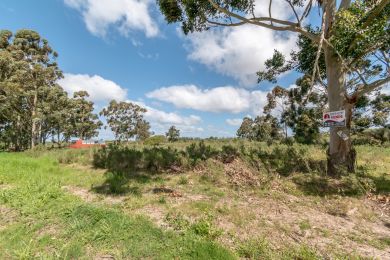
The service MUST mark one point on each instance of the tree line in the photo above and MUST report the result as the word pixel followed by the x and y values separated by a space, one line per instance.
pixel 286 111
pixel 35 109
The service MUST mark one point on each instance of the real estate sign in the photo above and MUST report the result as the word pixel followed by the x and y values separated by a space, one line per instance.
pixel 334 118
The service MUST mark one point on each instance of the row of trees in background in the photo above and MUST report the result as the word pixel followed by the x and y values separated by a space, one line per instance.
pixel 287 109
pixel 34 108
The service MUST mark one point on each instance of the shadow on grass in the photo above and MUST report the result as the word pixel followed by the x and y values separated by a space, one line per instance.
pixel 382 184
pixel 354 184
pixel 119 183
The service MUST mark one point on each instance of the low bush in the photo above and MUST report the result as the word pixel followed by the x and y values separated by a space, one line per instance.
pixel 282 159
pixel 159 159
pixel 228 153
pixel 200 152
pixel 129 159
pixel 155 140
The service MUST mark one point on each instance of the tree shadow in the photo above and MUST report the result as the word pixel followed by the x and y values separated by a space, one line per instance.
pixel 120 183
pixel 354 184
pixel 381 183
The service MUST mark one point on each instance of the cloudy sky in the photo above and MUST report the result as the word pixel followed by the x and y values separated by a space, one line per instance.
pixel 203 83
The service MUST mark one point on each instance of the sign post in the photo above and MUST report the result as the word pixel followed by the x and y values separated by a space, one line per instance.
pixel 334 118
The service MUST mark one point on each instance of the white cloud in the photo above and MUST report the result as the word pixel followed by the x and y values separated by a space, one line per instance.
pixel 125 15
pixel 98 88
pixel 385 89
pixel 220 99
pixel 234 121
pixel 241 51
pixel 161 120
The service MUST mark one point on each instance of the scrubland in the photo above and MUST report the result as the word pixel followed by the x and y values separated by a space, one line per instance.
pixel 216 199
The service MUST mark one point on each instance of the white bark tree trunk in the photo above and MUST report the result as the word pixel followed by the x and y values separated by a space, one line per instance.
pixel 341 155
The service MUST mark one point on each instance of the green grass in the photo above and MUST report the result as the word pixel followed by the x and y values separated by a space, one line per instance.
pixel 50 223
pixel 41 219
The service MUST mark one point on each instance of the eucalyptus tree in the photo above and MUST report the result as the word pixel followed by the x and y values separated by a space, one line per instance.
pixel 38 71
pixel 348 53
pixel 31 70
pixel 173 134
pixel 143 130
pixel 262 128
pixel 82 121
pixel 245 129
pixel 124 119
pixel 303 118
pixel 56 113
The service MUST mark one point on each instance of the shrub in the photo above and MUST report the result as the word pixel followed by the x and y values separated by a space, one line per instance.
pixel 158 158
pixel 282 159
pixel 199 151
pixel 288 141
pixel 361 139
pixel 205 228
pixel 127 159
pixel 155 140
pixel 228 153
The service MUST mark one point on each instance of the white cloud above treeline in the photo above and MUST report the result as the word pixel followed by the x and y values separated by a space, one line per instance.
pixel 239 52
pixel 220 99
pixel 125 16
pixel 234 121
pixel 98 88
pixel 101 91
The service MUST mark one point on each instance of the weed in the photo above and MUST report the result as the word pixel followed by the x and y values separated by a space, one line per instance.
pixel 183 180
pixel 304 225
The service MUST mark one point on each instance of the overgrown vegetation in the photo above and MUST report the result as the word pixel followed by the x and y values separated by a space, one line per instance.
pixel 196 198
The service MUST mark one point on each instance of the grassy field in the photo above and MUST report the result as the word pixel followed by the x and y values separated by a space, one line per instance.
pixel 59 204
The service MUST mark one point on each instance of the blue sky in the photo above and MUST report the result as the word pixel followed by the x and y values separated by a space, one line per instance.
pixel 123 49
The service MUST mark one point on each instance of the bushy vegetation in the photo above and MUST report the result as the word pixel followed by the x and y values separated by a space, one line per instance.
pixel 138 171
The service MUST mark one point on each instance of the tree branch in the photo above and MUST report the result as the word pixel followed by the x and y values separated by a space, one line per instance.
pixel 292 27
pixel 370 18
pixel 269 9
pixel 364 89
pixel 295 12
pixel 344 4
pixel 318 54
pixel 306 12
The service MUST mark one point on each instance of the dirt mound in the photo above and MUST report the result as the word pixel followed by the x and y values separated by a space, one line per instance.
pixel 240 174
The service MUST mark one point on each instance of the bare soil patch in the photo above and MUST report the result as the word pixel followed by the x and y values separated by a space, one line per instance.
pixel 7 216
pixel 297 220
pixel 89 196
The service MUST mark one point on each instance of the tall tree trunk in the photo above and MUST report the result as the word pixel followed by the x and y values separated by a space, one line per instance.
pixel 33 119
pixel 341 155
pixel 18 135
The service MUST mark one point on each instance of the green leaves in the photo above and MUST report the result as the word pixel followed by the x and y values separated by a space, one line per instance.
pixel 274 67
pixel 173 134
pixel 126 120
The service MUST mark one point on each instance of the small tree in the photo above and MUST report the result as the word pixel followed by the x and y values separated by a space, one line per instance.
pixel 262 128
pixel 173 134
pixel 303 118
pixel 83 123
pixel 143 130
pixel 125 119
pixel 245 130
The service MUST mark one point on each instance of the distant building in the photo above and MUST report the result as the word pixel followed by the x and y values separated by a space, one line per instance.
pixel 86 143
